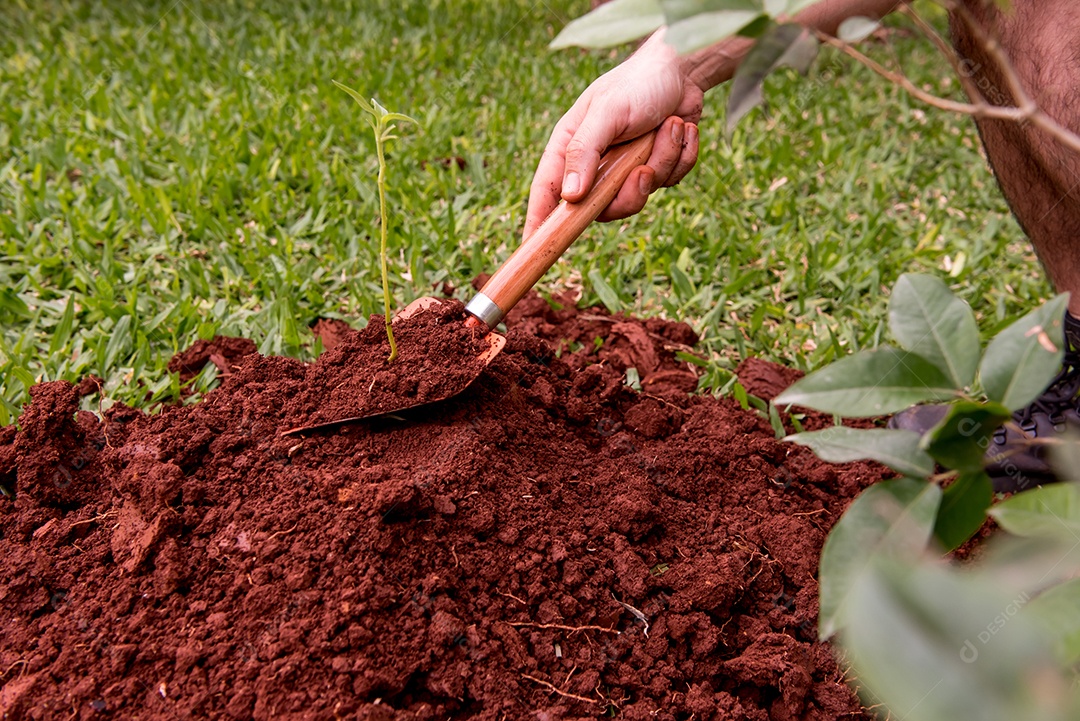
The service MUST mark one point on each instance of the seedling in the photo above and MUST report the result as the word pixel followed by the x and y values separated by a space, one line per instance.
pixel 382 125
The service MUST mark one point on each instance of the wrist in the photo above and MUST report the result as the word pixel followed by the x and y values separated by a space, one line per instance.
pixel 716 64
pixel 705 68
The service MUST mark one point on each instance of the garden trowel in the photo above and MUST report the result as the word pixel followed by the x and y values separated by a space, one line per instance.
pixel 525 266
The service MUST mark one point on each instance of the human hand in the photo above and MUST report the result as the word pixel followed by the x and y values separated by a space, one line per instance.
pixel 649 89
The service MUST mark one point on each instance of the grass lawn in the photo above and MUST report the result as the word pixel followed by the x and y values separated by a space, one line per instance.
pixel 177 169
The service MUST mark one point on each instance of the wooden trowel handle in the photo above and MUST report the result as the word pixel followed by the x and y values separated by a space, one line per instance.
pixel 540 250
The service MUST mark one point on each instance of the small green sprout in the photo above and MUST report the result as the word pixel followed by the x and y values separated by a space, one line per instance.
pixel 382 125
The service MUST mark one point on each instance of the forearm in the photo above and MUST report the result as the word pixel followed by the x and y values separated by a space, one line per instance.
pixel 716 64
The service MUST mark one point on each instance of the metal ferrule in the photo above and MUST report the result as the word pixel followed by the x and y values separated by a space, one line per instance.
pixel 485 309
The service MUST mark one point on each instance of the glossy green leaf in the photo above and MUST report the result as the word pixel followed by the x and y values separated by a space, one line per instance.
pixel 963 509
pixel 399 117
pixel 1057 612
pixel 870 383
pixel 926 318
pixel 960 440
pixel 1022 360
pixel 789 45
pixel 756 28
pixel 892 518
pixel 932 644
pixel 899 450
pixel 610 24
pixel 1050 511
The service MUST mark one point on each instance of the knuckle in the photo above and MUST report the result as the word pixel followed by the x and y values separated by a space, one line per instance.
pixel 576 148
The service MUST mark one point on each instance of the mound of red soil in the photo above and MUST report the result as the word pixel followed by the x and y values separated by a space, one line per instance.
pixel 331 332
pixel 224 352
pixel 549 544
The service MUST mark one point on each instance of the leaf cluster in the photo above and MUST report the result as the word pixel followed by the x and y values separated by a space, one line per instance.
pixel 939 359
pixel 379 118
pixel 993 640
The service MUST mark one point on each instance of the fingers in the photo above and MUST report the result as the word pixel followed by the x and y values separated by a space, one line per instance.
pixel 674 154
pixel 546 188
pixel 667 149
pixel 543 194
pixel 644 180
pixel 596 132
pixel 632 196
pixel 568 167
pixel 688 156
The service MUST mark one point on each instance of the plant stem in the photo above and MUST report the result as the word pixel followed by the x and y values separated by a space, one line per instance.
pixel 382 240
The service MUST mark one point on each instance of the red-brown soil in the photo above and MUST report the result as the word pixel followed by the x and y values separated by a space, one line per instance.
pixel 550 544
pixel 224 352
pixel 438 357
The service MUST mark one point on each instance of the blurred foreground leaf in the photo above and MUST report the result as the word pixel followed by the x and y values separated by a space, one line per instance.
pixel 1057 612
pixel 963 509
pixel 897 449
pixel 612 23
pixel 1048 512
pixel 936 645
pixel 789 45
pixel 891 518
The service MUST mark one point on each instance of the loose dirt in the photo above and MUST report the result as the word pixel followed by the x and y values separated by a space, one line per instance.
pixel 549 544
pixel 438 357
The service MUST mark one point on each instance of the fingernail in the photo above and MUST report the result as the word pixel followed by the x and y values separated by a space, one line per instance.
pixel 572 184
pixel 691 133
pixel 645 183
pixel 677 131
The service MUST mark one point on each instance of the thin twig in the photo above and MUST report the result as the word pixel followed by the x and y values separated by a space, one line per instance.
pixel 272 536
pixel 993 47
pixel 1025 110
pixel 560 627
pixel 1021 97
pixel 23 662
pixel 565 694
pixel 945 49
pixel 811 513
pixel 980 110
pixel 943 476
pixel 510 595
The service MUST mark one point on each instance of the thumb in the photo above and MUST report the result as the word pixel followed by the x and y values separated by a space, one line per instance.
pixel 591 139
